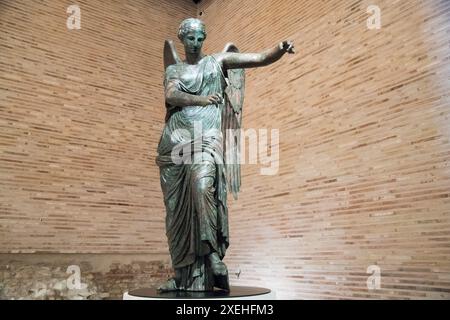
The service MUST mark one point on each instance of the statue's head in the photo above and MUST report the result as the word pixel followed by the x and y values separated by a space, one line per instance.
pixel 192 33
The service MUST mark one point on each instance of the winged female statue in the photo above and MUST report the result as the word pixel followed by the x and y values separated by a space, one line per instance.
pixel 199 153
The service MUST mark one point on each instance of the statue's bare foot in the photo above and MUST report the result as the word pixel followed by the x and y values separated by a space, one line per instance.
pixel 217 266
pixel 220 272
pixel 170 285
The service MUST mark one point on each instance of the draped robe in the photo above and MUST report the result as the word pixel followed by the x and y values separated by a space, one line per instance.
pixel 192 173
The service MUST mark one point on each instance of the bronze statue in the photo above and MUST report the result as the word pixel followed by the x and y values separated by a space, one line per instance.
pixel 203 94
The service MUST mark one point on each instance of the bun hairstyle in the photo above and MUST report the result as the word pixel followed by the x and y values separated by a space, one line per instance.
pixel 189 25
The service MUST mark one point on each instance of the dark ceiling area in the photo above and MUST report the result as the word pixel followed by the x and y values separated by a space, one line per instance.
pixel 196 1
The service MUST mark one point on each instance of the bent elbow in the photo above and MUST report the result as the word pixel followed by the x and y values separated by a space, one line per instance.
pixel 169 97
pixel 169 100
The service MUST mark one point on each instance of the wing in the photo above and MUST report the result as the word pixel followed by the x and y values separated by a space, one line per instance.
pixel 170 57
pixel 232 119
pixel 236 82
pixel 170 54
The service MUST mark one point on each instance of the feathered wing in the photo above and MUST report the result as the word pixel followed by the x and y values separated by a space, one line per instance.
pixel 170 57
pixel 170 54
pixel 232 123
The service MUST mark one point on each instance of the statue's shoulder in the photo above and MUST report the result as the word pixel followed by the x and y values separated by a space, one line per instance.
pixel 173 68
pixel 218 59
pixel 217 56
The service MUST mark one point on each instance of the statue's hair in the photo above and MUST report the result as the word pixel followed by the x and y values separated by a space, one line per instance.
pixel 189 25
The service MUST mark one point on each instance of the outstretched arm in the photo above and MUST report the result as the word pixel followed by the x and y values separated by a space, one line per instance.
pixel 230 60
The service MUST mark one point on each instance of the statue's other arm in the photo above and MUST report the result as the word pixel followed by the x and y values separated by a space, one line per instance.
pixel 179 98
pixel 232 60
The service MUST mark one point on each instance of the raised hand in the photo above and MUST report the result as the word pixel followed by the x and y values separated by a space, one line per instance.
pixel 287 46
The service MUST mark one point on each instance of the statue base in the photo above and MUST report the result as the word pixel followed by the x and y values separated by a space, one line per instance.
pixel 235 293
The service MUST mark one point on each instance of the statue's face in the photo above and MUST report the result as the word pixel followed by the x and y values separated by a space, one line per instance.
pixel 193 41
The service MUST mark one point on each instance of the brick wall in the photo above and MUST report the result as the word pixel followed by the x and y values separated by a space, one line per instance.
pixel 363 119
pixel 81 112
pixel 80 117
